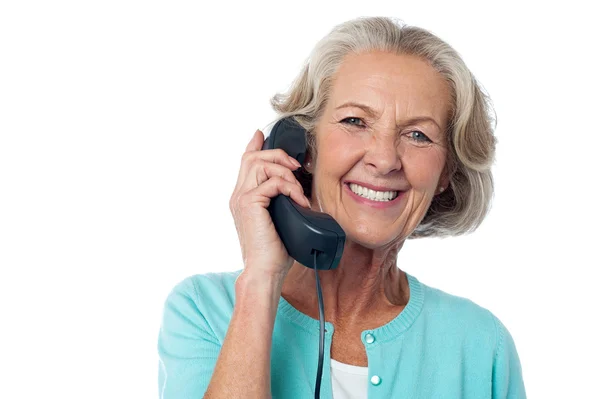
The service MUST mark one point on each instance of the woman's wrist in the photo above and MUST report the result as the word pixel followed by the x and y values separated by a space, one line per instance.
pixel 258 295
pixel 252 279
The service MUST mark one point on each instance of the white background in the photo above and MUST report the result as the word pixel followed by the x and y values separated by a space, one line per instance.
pixel 122 124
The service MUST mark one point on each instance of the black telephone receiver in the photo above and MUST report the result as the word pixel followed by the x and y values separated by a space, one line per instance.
pixel 302 231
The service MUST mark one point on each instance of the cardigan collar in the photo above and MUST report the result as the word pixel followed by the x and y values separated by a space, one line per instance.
pixel 387 332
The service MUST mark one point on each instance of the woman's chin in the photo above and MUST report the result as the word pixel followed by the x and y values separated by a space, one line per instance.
pixel 372 241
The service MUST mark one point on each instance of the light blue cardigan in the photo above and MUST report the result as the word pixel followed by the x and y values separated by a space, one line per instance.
pixel 439 346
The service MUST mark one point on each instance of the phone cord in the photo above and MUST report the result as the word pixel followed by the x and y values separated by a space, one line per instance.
pixel 321 331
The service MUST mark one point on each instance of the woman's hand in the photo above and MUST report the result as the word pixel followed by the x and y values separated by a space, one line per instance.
pixel 263 175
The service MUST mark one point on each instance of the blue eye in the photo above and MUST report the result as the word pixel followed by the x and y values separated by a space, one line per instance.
pixel 349 119
pixel 420 136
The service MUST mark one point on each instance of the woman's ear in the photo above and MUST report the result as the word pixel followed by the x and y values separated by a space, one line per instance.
pixel 308 162
pixel 443 183
pixel 444 180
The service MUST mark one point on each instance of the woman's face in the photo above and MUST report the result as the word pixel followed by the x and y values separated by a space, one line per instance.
pixel 383 130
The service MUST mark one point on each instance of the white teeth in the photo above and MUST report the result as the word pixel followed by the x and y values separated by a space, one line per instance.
pixel 373 195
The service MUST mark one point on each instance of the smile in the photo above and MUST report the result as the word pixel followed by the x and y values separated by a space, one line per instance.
pixel 382 196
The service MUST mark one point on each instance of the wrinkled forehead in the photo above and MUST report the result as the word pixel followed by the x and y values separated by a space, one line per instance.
pixel 402 84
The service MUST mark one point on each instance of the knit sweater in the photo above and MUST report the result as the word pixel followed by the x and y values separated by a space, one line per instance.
pixel 439 346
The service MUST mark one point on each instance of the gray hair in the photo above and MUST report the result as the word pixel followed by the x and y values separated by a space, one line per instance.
pixel 471 143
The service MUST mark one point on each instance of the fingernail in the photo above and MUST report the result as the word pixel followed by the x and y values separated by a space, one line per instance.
pixel 295 162
pixel 307 202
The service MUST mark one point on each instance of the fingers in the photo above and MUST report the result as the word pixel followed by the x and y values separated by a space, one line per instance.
pixel 262 171
pixel 277 155
pixel 271 188
pixel 254 150
pixel 251 159
pixel 265 174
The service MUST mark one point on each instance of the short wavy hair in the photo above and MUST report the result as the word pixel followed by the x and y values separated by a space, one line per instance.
pixel 462 207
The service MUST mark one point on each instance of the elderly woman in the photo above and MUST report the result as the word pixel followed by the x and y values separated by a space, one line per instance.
pixel 400 145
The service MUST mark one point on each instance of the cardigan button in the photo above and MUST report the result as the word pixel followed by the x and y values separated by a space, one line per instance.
pixel 375 380
pixel 369 338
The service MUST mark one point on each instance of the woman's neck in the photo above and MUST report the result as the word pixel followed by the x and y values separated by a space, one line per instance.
pixel 353 293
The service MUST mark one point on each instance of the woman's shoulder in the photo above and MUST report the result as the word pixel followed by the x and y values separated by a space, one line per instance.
pixel 208 283
pixel 216 289
pixel 479 333
pixel 456 313
pixel 205 298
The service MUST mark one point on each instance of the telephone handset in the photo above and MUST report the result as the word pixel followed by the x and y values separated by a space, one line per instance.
pixel 302 231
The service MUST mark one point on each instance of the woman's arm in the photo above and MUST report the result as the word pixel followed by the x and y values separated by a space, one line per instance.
pixel 193 361
pixel 243 369
pixel 193 364
pixel 507 377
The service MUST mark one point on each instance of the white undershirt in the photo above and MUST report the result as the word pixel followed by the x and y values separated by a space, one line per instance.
pixel 349 381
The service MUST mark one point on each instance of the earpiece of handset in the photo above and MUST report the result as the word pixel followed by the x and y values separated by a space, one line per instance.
pixel 302 231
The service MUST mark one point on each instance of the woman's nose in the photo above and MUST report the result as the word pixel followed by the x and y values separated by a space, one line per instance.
pixel 382 154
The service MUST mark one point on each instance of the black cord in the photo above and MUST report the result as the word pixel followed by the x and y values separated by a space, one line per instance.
pixel 321 332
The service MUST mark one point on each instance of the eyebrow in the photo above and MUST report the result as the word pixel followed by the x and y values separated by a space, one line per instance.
pixel 371 113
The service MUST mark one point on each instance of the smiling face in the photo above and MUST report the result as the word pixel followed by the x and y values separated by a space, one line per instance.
pixel 381 146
